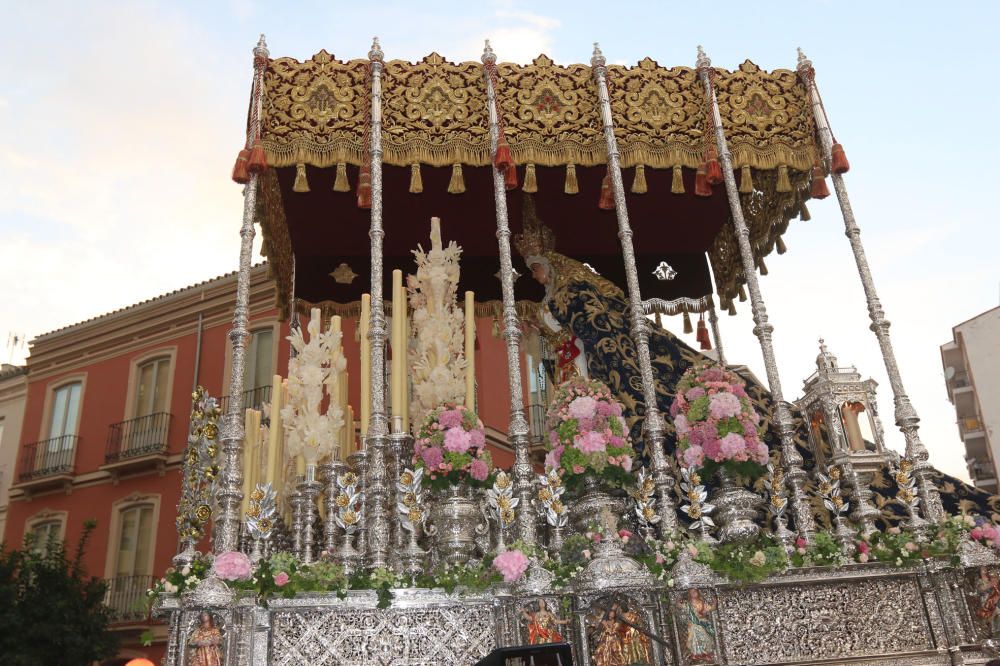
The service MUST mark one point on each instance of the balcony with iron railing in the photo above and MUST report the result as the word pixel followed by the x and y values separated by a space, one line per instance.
pixel 536 423
pixel 252 398
pixel 137 443
pixel 126 597
pixel 48 462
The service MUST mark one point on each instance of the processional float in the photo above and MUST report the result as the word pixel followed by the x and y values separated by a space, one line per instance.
pixel 667 567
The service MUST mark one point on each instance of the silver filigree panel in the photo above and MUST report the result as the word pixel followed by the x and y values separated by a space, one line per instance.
pixel 391 637
pixel 795 623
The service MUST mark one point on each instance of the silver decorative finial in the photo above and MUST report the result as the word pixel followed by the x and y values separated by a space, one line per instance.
pixel 376 50
pixel 488 56
pixel 598 59
pixel 822 345
pixel 805 64
pixel 261 48
pixel 703 61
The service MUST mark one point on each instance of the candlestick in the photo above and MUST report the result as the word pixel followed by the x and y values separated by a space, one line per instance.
pixel 248 457
pixel 470 350
pixel 405 362
pixel 366 363
pixel 351 439
pixel 274 434
pixel 397 345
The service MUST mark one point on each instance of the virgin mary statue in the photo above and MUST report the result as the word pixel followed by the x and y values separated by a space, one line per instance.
pixel 585 318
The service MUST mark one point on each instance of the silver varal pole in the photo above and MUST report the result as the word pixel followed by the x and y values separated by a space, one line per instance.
pixel 376 488
pixel 906 415
pixel 713 322
pixel 794 475
pixel 230 492
pixel 523 473
pixel 655 433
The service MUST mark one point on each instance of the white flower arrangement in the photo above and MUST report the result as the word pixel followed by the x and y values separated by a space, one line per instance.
pixel 312 376
pixel 436 357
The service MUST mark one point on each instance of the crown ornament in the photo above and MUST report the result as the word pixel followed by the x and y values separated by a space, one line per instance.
pixel 535 239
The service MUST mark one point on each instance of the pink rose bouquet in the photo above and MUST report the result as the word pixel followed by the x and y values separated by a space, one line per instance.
pixel 451 448
pixel 587 435
pixel 716 424
pixel 232 565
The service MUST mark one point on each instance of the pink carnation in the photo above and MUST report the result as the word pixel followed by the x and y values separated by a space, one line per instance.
pixel 604 409
pixel 583 407
pixel 553 457
pixel 724 406
pixel 512 564
pixel 232 565
pixel 477 438
pixel 591 442
pixel 626 462
pixel 681 425
pixel 432 457
pixel 281 579
pixel 479 470
pixel 450 418
pixel 694 393
pixel 713 449
pixel 732 446
pixel 694 456
pixel 457 440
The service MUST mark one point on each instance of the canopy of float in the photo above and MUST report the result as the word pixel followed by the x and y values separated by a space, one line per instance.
pixel 435 136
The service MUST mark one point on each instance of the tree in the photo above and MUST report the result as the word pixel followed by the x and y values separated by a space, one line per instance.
pixel 51 611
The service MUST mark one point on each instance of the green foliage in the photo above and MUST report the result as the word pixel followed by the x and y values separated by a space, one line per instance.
pixel 824 551
pixel 51 611
pixel 744 562
pixel 470 577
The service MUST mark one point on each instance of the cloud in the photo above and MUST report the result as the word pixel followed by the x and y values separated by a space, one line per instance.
pixel 115 186
pixel 516 36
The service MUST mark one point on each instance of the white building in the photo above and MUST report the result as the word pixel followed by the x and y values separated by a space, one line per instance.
pixel 13 389
pixel 972 375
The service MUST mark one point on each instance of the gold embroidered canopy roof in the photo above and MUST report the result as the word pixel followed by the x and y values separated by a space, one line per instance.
pixel 316 132
pixel 434 113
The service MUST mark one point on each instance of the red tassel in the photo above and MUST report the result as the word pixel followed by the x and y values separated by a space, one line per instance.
pixel 258 160
pixel 713 172
pixel 819 189
pixel 502 160
pixel 702 335
pixel 365 187
pixel 510 177
pixel 701 186
pixel 240 173
pixel 838 160
pixel 607 200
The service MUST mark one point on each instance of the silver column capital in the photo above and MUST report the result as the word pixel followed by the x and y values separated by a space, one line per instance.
pixel 488 57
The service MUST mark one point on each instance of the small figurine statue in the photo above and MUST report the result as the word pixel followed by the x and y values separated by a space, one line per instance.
pixel 618 639
pixel 543 624
pixel 206 642
pixel 699 639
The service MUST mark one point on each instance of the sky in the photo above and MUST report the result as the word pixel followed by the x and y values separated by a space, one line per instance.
pixel 119 123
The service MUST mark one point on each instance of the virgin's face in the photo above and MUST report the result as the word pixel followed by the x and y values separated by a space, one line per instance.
pixel 206 621
pixel 540 273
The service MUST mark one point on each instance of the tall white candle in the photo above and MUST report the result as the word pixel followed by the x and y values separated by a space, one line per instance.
pixel 470 350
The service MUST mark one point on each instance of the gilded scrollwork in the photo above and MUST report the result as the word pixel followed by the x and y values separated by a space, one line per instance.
pixel 767 118
pixel 659 114
pixel 315 111
pixel 434 112
pixel 550 113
